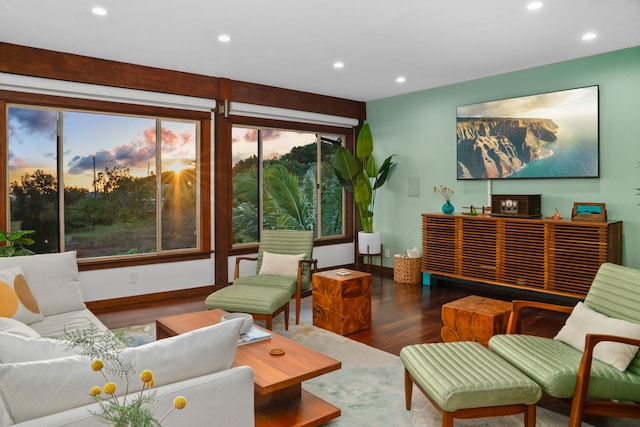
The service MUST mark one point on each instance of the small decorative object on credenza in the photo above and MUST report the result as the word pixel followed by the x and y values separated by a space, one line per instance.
pixel 516 205
pixel 473 211
pixel 583 211
pixel 556 215
pixel 445 192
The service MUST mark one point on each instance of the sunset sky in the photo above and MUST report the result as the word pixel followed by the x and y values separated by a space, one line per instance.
pixel 113 140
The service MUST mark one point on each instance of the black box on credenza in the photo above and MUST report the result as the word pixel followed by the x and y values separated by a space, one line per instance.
pixel 516 205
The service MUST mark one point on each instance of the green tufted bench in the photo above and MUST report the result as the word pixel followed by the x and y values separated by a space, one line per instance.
pixel 262 302
pixel 466 380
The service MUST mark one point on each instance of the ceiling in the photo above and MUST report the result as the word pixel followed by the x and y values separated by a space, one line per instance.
pixel 294 43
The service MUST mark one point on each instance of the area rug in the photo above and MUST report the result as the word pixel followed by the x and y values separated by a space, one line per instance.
pixel 369 388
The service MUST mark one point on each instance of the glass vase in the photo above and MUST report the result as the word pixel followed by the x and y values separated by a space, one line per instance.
pixel 448 208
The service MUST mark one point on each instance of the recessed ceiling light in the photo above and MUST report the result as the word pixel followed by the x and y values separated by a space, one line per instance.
pixel 224 38
pixel 400 79
pixel 99 10
pixel 589 36
pixel 534 5
pixel 338 64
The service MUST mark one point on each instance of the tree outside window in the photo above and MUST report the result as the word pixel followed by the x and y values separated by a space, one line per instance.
pixel 277 183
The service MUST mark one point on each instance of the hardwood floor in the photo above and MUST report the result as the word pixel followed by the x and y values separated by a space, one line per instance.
pixel 401 315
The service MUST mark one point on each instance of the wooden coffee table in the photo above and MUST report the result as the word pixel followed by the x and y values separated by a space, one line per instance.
pixel 278 394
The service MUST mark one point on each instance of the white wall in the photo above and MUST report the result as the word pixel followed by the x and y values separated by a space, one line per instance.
pixel 112 283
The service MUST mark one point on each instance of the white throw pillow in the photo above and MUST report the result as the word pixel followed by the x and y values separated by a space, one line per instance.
pixel 16 349
pixel 16 299
pixel 583 320
pixel 53 278
pixel 196 353
pixel 64 383
pixel 16 327
pixel 280 264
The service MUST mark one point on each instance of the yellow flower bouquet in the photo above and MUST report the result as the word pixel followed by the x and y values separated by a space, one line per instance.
pixel 104 349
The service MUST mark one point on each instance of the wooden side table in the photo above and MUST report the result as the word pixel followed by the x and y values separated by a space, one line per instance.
pixel 341 303
pixel 474 318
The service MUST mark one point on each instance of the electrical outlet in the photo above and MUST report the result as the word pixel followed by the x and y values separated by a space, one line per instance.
pixel 133 277
pixel 387 253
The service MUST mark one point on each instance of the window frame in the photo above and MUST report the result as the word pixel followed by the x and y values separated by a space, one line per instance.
pixel 260 152
pixel 80 104
pixel 225 125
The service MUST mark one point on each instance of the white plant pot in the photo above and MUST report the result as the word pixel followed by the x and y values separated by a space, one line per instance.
pixel 369 243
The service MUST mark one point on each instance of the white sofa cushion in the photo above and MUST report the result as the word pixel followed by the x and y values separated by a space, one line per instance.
pixel 56 324
pixel 583 320
pixel 15 327
pixel 16 349
pixel 16 299
pixel 64 383
pixel 53 278
pixel 225 396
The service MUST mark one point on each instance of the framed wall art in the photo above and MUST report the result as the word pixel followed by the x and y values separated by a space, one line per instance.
pixel 583 211
pixel 549 135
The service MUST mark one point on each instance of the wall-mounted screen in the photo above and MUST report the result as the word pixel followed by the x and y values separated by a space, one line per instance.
pixel 549 135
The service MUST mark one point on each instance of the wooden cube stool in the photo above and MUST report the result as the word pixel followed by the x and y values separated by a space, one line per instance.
pixel 466 380
pixel 474 318
pixel 341 300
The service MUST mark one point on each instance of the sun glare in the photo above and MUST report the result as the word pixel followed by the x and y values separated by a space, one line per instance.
pixel 177 167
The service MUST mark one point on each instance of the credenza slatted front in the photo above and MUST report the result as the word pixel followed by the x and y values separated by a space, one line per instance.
pixel 554 256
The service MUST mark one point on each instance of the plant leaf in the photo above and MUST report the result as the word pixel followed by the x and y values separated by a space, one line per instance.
pixel 364 143
pixel 383 173
pixel 346 164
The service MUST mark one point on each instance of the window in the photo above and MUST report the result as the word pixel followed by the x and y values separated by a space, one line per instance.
pixel 103 184
pixel 284 179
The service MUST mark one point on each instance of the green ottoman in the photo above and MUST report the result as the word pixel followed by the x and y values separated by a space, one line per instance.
pixel 466 380
pixel 262 302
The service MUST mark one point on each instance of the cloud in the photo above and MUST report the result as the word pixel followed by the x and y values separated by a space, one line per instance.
pixel 251 135
pixel 138 153
pixel 540 105
pixel 16 162
pixel 23 121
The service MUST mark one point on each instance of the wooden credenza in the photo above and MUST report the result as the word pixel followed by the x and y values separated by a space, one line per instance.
pixel 554 256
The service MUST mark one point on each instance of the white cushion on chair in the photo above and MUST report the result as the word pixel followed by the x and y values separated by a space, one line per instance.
pixel 583 320
pixel 280 264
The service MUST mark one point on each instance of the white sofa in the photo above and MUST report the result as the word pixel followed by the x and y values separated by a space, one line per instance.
pixel 42 383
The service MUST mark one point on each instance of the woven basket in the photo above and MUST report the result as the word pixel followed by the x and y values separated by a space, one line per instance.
pixel 406 270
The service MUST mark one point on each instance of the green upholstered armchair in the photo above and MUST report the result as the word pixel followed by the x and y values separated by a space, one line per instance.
pixel 267 293
pixel 562 371
pixel 287 242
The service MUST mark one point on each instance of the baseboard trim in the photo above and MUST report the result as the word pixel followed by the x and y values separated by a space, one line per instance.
pixel 109 305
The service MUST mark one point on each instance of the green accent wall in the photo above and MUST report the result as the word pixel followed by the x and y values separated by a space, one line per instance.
pixel 420 128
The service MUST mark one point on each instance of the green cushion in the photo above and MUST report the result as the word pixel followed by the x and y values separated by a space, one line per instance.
pixel 461 375
pixel 249 299
pixel 287 283
pixel 554 365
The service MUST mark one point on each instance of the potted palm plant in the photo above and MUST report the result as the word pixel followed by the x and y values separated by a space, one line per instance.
pixel 361 176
